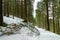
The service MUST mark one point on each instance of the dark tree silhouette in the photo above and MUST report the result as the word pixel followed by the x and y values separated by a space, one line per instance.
pixel 48 28
pixel 1 16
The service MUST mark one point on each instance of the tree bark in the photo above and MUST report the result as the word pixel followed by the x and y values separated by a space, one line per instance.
pixel 1 16
pixel 53 16
pixel 7 8
pixel 25 3
pixel 48 28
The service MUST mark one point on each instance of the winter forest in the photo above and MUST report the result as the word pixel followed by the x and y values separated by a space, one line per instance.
pixel 29 19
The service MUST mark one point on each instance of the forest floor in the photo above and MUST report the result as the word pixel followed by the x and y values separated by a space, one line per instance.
pixel 25 33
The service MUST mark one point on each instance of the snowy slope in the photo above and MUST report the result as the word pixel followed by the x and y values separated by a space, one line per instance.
pixel 25 34
pixel 10 20
pixel 46 35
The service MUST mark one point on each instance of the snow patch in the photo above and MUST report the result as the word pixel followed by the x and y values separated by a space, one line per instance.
pixel 10 20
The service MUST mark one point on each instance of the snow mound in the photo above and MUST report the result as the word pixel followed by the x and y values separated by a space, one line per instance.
pixel 9 20
pixel 27 31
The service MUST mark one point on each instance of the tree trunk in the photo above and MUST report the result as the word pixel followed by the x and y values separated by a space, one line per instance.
pixel 1 16
pixel 53 16
pixel 7 8
pixel 57 25
pixel 48 28
pixel 21 14
pixel 25 4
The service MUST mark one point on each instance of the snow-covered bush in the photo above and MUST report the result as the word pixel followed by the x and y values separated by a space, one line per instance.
pixel 10 29
pixel 31 27
pixel 4 24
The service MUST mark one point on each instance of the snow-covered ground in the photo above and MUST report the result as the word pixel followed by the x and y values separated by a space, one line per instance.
pixel 10 20
pixel 25 33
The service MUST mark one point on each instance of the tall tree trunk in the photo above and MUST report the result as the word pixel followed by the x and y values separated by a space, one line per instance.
pixel 20 9
pixel 7 8
pixel 4 10
pixel 21 14
pixel 48 28
pixel 25 16
pixel 53 16
pixel 1 16
pixel 58 28
pixel 13 10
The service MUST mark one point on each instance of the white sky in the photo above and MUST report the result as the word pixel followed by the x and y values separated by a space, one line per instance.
pixel 35 6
